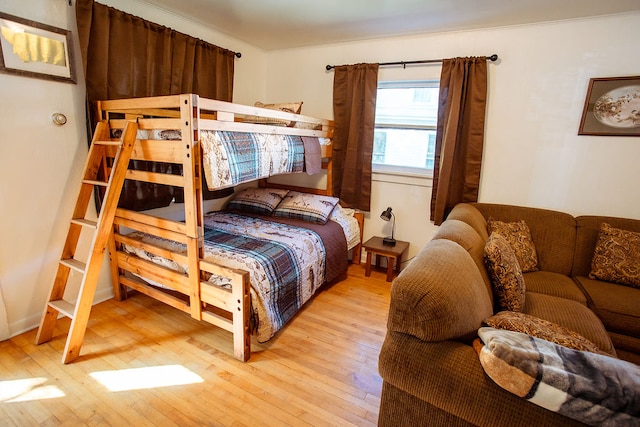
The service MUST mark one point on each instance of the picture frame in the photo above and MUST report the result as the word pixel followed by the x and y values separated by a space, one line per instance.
pixel 612 107
pixel 32 49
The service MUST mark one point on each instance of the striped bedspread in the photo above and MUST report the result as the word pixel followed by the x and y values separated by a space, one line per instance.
pixel 276 261
pixel 231 158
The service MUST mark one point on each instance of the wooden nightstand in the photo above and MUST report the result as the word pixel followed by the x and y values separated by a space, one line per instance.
pixel 374 246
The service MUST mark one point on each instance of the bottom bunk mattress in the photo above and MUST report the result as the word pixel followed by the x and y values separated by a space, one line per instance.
pixel 287 259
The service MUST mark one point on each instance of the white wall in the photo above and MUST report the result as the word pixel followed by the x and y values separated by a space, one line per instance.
pixel 40 167
pixel 533 155
pixel 41 164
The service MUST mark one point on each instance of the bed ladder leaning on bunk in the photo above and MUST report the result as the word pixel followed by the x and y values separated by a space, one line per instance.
pixel 97 173
pixel 184 117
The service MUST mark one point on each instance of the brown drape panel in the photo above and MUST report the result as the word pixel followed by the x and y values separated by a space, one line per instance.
pixel 125 56
pixel 354 108
pixel 460 134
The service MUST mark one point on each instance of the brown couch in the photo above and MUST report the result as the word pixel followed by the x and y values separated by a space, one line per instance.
pixel 431 373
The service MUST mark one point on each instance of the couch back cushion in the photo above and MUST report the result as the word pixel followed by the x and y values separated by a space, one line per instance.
pixel 465 212
pixel 588 230
pixel 440 295
pixel 464 235
pixel 553 233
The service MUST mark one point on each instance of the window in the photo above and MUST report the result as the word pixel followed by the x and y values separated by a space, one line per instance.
pixel 405 133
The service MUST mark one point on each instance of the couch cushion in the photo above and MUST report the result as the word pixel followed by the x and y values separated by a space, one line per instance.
pixel 617 256
pixel 588 230
pixel 464 235
pixel 504 271
pixel 572 315
pixel 627 348
pixel 558 285
pixel 617 306
pixel 518 235
pixel 440 295
pixel 472 216
pixel 552 232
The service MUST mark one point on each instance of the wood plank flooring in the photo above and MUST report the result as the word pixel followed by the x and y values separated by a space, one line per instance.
pixel 321 369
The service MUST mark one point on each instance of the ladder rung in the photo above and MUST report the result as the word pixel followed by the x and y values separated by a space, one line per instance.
pixel 103 142
pixel 63 307
pixel 92 182
pixel 74 264
pixel 85 222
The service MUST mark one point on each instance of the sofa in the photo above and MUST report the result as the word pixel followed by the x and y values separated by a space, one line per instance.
pixel 429 361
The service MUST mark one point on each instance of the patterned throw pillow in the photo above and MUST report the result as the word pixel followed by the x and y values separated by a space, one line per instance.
pixel 287 107
pixel 504 271
pixel 307 207
pixel 617 256
pixel 519 237
pixel 257 200
pixel 540 328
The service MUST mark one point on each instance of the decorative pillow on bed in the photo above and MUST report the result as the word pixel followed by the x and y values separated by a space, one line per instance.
pixel 307 207
pixel 504 271
pixel 288 107
pixel 540 328
pixel 519 237
pixel 617 256
pixel 595 389
pixel 257 200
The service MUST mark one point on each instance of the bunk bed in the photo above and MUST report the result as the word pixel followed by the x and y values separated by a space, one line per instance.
pixel 187 262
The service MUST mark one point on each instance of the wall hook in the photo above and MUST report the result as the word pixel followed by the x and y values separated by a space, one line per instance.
pixel 58 119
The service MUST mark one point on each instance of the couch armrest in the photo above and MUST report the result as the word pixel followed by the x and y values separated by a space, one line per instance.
pixel 440 295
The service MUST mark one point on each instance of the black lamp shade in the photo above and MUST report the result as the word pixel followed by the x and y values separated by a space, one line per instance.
pixel 386 216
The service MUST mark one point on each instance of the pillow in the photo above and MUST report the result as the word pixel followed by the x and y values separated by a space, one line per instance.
pixel 540 328
pixel 617 256
pixel 257 200
pixel 307 207
pixel 519 237
pixel 288 107
pixel 592 388
pixel 504 272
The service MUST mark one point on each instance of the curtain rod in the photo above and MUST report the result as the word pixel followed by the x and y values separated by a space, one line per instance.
pixel 492 58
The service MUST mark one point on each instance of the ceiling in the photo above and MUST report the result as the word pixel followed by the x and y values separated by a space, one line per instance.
pixel 281 24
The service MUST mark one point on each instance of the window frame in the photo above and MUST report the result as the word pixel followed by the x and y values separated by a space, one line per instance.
pixel 397 169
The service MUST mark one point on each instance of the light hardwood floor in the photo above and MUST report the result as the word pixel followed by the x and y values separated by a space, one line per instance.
pixel 321 369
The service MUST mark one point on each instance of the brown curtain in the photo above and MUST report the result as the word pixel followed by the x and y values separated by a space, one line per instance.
pixel 460 134
pixel 125 56
pixel 354 108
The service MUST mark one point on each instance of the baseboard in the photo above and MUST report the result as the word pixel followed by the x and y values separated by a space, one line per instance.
pixel 32 322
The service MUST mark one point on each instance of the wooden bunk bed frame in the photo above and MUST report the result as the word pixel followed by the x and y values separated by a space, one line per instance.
pixel 191 114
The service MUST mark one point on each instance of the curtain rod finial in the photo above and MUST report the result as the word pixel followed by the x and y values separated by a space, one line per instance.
pixel 494 57
pixel 238 55
pixel 329 67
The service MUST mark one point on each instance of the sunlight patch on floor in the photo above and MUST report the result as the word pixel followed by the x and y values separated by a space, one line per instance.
pixel 144 378
pixel 28 389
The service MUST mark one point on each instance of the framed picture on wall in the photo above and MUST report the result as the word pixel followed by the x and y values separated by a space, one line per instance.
pixel 32 49
pixel 612 107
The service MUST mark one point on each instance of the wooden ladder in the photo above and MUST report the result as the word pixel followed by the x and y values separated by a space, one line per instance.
pixel 102 148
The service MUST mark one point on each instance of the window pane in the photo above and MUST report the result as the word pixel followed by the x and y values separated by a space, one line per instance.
pixel 404 147
pixel 409 106
pixel 406 119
